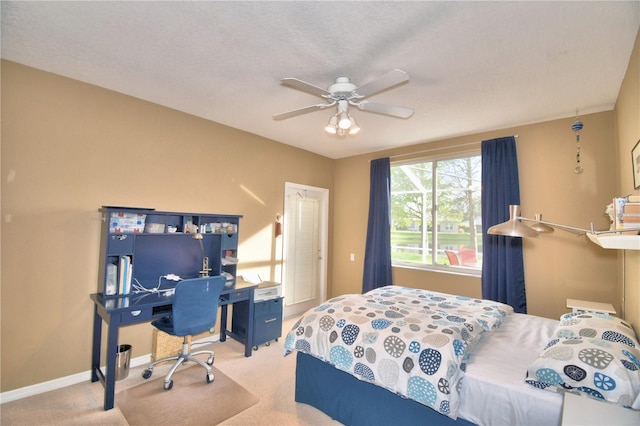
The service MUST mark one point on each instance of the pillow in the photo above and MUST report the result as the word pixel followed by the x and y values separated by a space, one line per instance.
pixel 602 369
pixel 596 325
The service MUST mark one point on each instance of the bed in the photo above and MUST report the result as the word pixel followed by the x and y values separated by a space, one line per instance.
pixel 372 359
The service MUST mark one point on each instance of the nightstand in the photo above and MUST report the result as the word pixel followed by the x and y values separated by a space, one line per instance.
pixel 581 410
pixel 586 306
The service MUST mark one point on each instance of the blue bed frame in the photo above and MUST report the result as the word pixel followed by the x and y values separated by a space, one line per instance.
pixel 355 402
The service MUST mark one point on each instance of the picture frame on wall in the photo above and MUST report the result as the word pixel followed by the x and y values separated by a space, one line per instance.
pixel 635 164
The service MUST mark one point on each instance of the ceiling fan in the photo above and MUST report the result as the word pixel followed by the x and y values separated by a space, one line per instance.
pixel 342 93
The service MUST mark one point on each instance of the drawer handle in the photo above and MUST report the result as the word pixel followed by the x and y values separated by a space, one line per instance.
pixel 136 313
pixel 270 320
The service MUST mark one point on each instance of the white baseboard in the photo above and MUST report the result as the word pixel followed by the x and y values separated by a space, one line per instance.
pixel 61 382
pixel 73 379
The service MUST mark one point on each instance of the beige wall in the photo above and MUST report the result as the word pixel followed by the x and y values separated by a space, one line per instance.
pixel 556 267
pixel 69 148
pixel 628 134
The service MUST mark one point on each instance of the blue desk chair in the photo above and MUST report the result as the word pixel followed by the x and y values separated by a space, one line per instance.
pixel 195 308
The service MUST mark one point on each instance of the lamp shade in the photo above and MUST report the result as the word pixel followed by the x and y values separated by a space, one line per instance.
pixel 331 126
pixel 354 129
pixel 540 227
pixel 513 227
pixel 344 122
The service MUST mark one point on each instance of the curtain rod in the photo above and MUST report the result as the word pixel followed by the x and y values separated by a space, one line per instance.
pixel 424 151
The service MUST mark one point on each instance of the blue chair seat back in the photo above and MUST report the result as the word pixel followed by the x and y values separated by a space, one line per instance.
pixel 195 304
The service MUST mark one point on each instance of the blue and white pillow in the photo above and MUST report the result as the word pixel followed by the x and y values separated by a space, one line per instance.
pixel 596 326
pixel 591 354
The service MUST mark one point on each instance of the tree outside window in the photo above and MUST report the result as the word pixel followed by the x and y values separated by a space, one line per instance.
pixel 435 208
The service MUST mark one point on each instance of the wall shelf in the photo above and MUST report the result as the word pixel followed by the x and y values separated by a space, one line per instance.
pixel 615 241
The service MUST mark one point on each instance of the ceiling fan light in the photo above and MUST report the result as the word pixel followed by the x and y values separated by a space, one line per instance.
pixel 331 126
pixel 354 129
pixel 341 132
pixel 344 122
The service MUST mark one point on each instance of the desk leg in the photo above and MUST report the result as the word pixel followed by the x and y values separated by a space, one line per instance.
pixel 223 322
pixel 248 337
pixel 248 347
pixel 97 342
pixel 112 353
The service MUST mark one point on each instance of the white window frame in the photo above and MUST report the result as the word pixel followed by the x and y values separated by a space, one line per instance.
pixel 459 270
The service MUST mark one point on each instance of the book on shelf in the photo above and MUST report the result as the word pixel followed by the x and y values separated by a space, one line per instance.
pixel 631 212
pixel 626 213
pixel 124 278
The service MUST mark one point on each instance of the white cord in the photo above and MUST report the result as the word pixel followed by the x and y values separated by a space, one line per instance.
pixel 139 288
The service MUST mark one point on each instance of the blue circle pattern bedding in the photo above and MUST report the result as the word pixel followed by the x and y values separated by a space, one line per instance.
pixel 413 342
pixel 593 354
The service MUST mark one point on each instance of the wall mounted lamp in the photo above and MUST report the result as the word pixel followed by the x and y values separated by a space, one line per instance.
pixel 610 239
pixel 515 228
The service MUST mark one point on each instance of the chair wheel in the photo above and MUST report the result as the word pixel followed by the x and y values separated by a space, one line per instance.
pixel 268 344
pixel 210 360
pixel 146 373
pixel 210 378
pixel 168 386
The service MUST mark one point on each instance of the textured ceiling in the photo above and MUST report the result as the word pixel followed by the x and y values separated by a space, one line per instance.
pixel 474 66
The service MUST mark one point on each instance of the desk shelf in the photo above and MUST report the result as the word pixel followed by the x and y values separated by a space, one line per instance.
pixel 142 245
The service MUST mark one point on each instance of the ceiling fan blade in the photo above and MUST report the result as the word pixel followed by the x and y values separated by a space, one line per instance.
pixel 390 79
pixel 300 111
pixel 304 86
pixel 386 109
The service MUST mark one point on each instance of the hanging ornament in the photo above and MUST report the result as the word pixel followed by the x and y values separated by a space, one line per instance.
pixel 576 127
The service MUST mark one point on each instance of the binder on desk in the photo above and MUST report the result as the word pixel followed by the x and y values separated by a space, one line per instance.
pixel 111 283
pixel 124 280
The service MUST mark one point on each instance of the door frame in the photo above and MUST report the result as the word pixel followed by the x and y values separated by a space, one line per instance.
pixel 291 188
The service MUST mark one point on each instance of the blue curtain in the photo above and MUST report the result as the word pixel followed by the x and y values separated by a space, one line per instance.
pixel 502 262
pixel 377 255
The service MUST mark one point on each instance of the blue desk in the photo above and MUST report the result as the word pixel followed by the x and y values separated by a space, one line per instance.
pixel 122 311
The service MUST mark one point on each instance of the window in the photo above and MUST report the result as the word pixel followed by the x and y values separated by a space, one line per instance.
pixel 435 214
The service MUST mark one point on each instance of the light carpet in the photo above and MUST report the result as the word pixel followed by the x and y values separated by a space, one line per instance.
pixel 192 401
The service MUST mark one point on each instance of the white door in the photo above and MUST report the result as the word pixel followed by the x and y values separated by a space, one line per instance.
pixel 304 247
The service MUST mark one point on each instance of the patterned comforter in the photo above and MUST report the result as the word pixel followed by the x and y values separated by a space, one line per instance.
pixel 413 342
